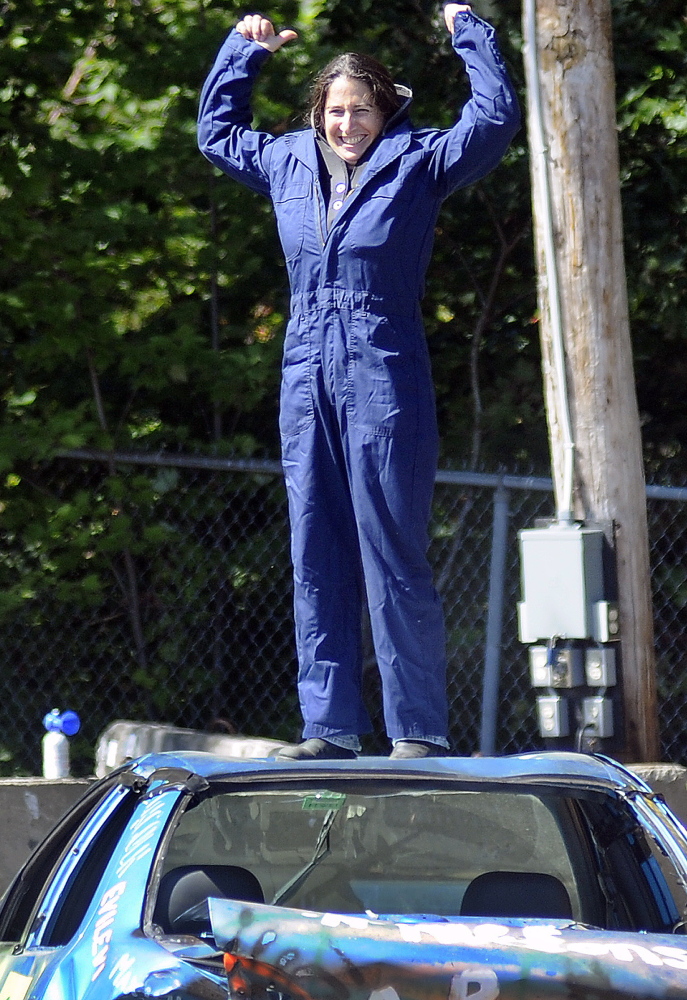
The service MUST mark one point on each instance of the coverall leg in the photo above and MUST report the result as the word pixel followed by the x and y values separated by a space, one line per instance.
pixel 359 446
pixel 327 568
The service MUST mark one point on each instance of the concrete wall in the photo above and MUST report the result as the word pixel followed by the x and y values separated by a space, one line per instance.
pixel 29 808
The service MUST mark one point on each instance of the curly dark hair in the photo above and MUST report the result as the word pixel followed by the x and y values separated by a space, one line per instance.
pixel 355 66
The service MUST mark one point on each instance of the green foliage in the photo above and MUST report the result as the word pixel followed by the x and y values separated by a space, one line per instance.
pixel 119 233
pixel 144 296
pixel 651 68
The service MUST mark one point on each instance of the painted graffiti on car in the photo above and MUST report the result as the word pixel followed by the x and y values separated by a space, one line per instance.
pixel 102 932
pixel 121 974
pixel 143 834
pixel 309 956
pixel 132 859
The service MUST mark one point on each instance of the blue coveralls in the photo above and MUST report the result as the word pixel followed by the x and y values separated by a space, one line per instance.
pixel 357 412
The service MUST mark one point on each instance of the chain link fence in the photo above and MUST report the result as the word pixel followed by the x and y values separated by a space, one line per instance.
pixel 158 588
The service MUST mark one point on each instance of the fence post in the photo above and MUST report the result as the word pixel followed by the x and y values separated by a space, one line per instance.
pixel 492 652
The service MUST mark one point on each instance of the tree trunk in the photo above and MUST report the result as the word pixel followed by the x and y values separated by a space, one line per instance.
pixel 579 163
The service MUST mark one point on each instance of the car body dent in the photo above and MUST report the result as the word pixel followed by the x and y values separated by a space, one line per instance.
pixel 313 955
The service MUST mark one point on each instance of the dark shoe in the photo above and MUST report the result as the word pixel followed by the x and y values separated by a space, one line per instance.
pixel 407 749
pixel 315 749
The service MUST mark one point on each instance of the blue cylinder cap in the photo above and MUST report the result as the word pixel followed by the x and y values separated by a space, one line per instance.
pixel 68 723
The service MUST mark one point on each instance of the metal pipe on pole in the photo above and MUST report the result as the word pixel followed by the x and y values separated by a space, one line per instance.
pixel 543 211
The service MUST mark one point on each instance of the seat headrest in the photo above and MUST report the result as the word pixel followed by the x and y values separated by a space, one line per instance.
pixel 516 894
pixel 184 888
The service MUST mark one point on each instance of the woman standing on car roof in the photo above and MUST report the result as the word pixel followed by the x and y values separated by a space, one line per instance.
pixel 356 198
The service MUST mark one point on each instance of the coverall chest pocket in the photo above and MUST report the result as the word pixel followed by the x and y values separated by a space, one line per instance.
pixel 290 208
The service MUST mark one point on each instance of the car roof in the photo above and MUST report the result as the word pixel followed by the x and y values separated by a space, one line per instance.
pixel 556 769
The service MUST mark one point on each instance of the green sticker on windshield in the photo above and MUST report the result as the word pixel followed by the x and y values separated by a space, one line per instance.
pixel 324 800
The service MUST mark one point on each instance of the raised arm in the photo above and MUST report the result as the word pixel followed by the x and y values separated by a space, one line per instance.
pixel 224 115
pixel 490 119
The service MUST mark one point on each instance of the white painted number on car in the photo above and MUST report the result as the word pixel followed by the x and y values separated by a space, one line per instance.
pixel 15 986
pixel 475 984
pixel 388 993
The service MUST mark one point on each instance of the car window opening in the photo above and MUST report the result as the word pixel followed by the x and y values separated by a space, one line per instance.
pixel 442 854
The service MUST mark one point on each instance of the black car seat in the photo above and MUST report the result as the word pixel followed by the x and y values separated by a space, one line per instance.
pixel 516 894
pixel 183 890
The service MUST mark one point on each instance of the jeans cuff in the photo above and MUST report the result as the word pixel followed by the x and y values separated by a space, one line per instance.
pixel 347 742
pixel 439 741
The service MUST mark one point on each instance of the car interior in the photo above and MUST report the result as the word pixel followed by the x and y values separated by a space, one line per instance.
pixel 439 853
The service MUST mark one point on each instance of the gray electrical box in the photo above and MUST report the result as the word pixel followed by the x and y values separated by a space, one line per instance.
pixel 600 666
pixel 597 716
pixel 554 719
pixel 563 669
pixel 563 585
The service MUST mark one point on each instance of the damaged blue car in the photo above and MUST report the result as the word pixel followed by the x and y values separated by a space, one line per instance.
pixel 193 876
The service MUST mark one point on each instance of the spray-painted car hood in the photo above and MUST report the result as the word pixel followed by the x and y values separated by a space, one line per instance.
pixel 192 876
pixel 304 955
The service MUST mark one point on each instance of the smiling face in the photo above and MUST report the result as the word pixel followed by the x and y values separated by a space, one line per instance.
pixel 352 121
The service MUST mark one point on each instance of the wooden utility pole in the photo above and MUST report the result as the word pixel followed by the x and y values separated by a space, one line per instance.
pixel 576 194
